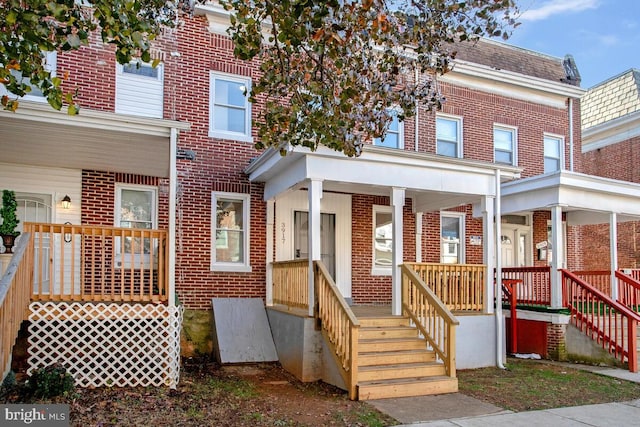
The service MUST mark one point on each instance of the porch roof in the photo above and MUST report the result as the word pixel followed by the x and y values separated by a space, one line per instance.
pixel 435 182
pixel 38 135
pixel 587 199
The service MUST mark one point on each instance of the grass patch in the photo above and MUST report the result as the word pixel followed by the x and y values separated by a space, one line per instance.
pixel 531 385
pixel 235 386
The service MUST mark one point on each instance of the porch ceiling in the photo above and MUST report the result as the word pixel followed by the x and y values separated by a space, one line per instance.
pixel 38 135
pixel 587 199
pixel 435 182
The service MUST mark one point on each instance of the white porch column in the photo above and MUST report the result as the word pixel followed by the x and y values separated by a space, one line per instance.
pixel 315 195
pixel 557 248
pixel 173 194
pixel 613 244
pixel 269 251
pixel 397 203
pixel 418 236
pixel 488 250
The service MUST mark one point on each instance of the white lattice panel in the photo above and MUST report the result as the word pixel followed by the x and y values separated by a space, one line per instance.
pixel 104 344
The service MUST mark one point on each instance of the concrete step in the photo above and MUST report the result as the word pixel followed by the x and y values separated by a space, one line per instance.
pixel 406 387
pixel 388 332
pixel 395 357
pixel 402 370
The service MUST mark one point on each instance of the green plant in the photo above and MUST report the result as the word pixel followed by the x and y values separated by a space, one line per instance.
pixel 50 381
pixel 8 214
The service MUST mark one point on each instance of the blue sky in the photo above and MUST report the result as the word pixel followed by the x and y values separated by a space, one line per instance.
pixel 602 35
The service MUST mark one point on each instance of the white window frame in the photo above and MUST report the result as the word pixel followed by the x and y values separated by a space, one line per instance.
pixel 224 134
pixel 514 153
pixel 560 140
pixel 136 258
pixel 377 270
pixel 460 216
pixel 50 64
pixel 378 141
pixel 459 140
pixel 158 78
pixel 245 265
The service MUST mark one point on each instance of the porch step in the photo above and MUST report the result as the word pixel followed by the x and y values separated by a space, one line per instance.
pixel 385 358
pixel 385 321
pixel 401 370
pixel 393 344
pixel 406 387
pixel 388 332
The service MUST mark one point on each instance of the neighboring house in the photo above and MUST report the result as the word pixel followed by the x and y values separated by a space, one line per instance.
pixel 611 149
pixel 171 202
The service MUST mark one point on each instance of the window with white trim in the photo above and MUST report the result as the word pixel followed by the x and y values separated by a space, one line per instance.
pixel 449 136
pixel 552 153
pixel 230 232
pixel 505 144
pixel 394 138
pixel 452 237
pixel 230 110
pixel 50 64
pixel 140 89
pixel 136 207
pixel 382 240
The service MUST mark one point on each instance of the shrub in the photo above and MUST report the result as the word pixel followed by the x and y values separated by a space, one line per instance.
pixel 50 381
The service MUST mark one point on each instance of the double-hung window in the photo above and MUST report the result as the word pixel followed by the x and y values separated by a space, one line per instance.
pixel 449 136
pixel 504 142
pixel 230 110
pixel 394 138
pixel 382 240
pixel 136 207
pixel 452 237
pixel 230 232
pixel 35 94
pixel 552 153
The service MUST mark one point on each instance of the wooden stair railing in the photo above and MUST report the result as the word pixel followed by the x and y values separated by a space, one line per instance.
pixel 604 320
pixel 15 295
pixel 432 318
pixel 340 327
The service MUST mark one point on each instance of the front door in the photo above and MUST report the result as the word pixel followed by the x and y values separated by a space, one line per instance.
pixel 516 250
pixel 327 239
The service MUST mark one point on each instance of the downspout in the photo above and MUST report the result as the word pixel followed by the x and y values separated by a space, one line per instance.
pixel 173 179
pixel 416 121
pixel 571 134
pixel 499 320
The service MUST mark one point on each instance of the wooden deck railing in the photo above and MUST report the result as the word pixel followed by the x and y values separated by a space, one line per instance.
pixel 339 325
pixel 431 317
pixel 15 295
pixel 535 285
pixel 628 291
pixel 461 287
pixel 599 279
pixel 608 322
pixel 290 283
pixel 97 263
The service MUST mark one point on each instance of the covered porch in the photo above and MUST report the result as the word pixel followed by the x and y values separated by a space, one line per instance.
pixel 98 299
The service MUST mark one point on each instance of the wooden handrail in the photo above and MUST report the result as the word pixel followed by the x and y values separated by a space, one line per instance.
pixel 535 286
pixel 99 263
pixel 290 283
pixel 608 322
pixel 599 279
pixel 434 320
pixel 628 291
pixel 460 287
pixel 339 326
pixel 15 295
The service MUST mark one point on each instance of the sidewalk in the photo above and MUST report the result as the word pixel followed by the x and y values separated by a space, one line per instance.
pixel 457 409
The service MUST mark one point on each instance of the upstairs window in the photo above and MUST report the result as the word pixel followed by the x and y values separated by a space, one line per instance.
pixel 552 153
pixel 140 89
pixel 449 136
pixel 504 142
pixel 230 110
pixel 394 137
pixel 50 64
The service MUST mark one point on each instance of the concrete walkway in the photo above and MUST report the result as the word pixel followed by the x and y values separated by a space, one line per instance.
pixel 457 409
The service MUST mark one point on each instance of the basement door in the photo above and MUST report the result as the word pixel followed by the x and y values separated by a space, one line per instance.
pixel 327 239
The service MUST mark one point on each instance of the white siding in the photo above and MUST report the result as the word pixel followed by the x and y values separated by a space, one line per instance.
pixel 338 204
pixel 139 95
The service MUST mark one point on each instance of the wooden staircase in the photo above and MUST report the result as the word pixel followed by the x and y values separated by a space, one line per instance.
pixel 394 362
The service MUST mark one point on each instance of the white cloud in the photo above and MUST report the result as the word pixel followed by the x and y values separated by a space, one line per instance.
pixel 556 7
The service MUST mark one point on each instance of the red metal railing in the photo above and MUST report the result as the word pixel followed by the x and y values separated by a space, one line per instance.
pixel 599 279
pixel 628 291
pixel 534 287
pixel 510 296
pixel 608 322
